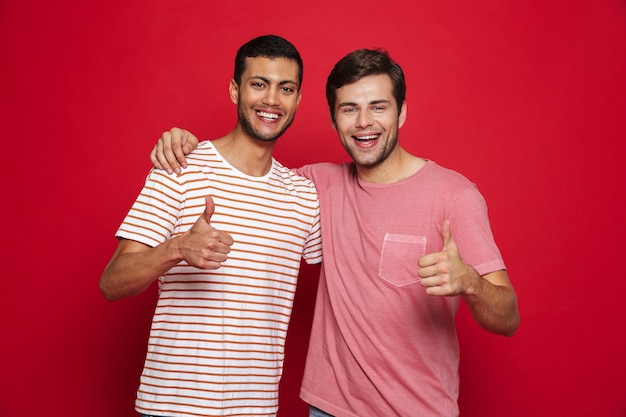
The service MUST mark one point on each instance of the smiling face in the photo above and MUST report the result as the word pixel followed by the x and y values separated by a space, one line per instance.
pixel 267 98
pixel 367 120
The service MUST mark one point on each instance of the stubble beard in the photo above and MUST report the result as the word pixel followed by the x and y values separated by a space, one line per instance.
pixel 248 128
pixel 380 156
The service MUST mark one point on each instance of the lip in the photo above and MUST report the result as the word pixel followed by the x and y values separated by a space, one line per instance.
pixel 366 137
pixel 366 140
pixel 268 116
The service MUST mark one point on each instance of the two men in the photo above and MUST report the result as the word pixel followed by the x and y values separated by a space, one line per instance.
pixel 404 239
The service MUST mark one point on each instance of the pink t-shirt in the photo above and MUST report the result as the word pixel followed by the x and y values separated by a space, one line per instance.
pixel 380 346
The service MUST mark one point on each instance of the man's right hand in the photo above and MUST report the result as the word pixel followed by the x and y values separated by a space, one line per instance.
pixel 171 148
pixel 204 246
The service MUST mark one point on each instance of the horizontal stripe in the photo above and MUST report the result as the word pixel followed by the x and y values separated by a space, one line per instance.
pixel 217 337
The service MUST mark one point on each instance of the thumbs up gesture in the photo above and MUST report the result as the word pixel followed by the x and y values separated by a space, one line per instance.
pixel 444 273
pixel 203 246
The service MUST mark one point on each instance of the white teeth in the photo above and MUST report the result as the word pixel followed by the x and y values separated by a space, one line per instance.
pixel 370 137
pixel 267 115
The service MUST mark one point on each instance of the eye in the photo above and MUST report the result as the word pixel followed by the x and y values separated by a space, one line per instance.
pixel 288 90
pixel 257 85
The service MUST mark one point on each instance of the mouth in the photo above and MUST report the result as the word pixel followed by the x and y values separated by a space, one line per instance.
pixel 366 138
pixel 268 117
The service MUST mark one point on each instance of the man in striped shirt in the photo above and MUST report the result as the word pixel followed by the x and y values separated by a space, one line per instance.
pixel 224 241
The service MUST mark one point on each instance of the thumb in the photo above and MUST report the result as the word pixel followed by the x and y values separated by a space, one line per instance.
pixel 189 141
pixel 446 236
pixel 184 144
pixel 210 208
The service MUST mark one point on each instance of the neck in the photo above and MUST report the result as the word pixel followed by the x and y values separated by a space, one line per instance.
pixel 250 156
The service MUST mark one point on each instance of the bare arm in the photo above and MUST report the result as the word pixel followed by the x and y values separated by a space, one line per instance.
pixel 170 150
pixel 134 266
pixel 493 303
pixel 491 297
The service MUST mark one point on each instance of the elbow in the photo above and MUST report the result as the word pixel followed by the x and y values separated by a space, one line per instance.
pixel 108 294
pixel 109 297
pixel 507 330
pixel 503 325
pixel 512 326
pixel 515 320
pixel 510 332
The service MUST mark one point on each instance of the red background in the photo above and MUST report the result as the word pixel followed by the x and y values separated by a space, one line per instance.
pixel 527 99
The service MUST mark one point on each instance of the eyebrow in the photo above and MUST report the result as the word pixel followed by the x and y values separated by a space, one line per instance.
pixel 264 79
pixel 350 104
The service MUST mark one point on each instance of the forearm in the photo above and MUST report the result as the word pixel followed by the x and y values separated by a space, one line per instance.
pixel 134 267
pixel 494 304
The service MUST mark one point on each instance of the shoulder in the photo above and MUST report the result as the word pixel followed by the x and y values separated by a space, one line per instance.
pixel 292 178
pixel 203 153
pixel 324 172
pixel 204 161
pixel 441 175
pixel 289 189
pixel 449 187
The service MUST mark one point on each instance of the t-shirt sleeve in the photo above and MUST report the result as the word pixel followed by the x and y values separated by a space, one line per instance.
pixel 155 212
pixel 471 230
pixel 312 253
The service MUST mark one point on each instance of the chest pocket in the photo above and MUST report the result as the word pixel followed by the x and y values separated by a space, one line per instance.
pixel 398 258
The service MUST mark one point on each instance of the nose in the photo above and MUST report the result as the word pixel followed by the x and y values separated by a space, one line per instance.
pixel 364 119
pixel 271 97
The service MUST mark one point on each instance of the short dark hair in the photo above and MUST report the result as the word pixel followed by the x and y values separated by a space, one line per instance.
pixel 268 46
pixel 362 63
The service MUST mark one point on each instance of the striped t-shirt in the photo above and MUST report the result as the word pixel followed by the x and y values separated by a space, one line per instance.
pixel 217 339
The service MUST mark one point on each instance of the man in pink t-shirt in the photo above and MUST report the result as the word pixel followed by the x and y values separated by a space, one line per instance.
pixel 404 239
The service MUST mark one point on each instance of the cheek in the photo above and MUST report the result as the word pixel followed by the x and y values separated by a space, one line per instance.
pixel 342 125
pixel 291 104
pixel 343 133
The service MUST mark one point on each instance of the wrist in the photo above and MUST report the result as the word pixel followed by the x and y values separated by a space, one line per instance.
pixel 175 252
pixel 475 282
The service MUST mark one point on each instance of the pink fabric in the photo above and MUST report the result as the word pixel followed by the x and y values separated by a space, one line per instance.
pixel 380 346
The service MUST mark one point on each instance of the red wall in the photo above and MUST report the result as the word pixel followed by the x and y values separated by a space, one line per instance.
pixel 527 99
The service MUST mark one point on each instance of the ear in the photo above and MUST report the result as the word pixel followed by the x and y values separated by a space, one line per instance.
pixel 233 89
pixel 298 98
pixel 402 115
pixel 333 124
